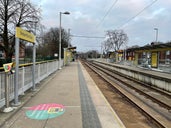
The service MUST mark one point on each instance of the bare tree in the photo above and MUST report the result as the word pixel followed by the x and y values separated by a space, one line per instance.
pixel 15 13
pixel 115 39
pixel 106 46
pixel 51 42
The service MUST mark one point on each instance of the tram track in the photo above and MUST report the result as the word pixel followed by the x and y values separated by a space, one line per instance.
pixel 140 95
pixel 141 88
pixel 108 66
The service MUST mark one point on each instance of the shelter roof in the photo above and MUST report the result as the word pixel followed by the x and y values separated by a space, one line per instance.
pixel 152 46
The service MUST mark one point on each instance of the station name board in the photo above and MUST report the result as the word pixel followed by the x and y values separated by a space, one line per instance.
pixel 25 35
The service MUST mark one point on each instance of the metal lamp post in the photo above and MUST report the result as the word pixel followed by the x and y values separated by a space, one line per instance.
pixel 69 37
pixel 157 59
pixel 156 29
pixel 59 56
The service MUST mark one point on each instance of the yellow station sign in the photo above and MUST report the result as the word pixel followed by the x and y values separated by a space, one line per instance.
pixel 154 58
pixel 25 35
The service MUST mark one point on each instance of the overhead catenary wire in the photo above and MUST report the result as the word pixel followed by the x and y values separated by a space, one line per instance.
pixel 107 13
pixel 146 7
pixel 81 36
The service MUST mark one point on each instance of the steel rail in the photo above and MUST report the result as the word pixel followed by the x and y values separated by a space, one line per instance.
pixel 160 120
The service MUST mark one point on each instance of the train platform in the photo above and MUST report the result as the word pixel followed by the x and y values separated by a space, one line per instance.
pixel 67 99
pixel 164 73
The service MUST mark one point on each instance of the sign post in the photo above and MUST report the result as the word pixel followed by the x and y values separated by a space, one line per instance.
pixel 34 64
pixel 24 35
pixel 16 71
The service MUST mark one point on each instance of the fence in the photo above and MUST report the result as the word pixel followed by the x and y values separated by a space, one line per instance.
pixel 42 70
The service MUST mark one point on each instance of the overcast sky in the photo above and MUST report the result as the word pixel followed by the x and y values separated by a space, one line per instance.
pixel 137 18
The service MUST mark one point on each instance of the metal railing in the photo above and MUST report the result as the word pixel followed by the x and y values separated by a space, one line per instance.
pixel 42 70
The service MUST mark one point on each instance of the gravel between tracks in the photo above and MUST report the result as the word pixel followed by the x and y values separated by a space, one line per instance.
pixel 128 113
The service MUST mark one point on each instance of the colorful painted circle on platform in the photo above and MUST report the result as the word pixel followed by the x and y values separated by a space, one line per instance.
pixel 45 111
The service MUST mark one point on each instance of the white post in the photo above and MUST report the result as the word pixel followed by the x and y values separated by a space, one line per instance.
pixel 7 108
pixel 23 79
pixel 38 72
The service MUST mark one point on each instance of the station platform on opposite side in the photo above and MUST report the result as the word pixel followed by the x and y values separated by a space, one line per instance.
pixel 68 99
pixel 164 73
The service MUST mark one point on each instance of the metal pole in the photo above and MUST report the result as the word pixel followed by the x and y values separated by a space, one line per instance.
pixel 69 37
pixel 60 13
pixel 16 71
pixel 156 29
pixel 101 51
pixel 68 57
pixel 34 61
pixel 59 65
pixel 156 35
